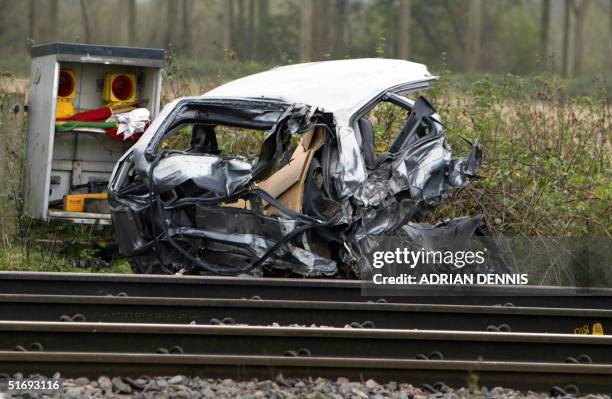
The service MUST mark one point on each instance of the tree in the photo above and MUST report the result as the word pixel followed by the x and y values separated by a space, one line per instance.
pixel 580 9
pixel 32 21
pixel 186 26
pixel 609 63
pixel 566 33
pixel 472 56
pixel 239 33
pixel 251 30
pixel 457 22
pixel 263 23
pixel 337 29
pixel 3 5
pixel 171 11
pixel 422 16
pixel 306 31
pixel 131 14
pixel 315 35
pixel 319 28
pixel 86 25
pixel 403 41
pixel 544 28
pixel 228 28
pixel 53 19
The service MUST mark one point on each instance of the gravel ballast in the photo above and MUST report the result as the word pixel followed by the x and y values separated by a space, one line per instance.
pixel 183 387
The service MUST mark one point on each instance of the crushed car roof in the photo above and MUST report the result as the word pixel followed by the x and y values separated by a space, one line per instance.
pixel 342 85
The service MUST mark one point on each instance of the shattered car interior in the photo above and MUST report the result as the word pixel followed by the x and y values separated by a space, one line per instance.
pixel 316 199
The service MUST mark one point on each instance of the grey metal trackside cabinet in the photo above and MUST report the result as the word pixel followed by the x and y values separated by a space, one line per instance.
pixel 68 79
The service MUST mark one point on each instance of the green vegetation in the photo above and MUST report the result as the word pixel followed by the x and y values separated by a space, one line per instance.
pixel 546 168
pixel 61 247
pixel 546 180
pixel 547 156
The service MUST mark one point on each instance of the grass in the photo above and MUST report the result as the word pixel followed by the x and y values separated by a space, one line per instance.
pixel 38 259
pixel 61 247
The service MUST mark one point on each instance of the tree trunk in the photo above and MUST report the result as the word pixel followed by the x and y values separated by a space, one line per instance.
pixel 53 20
pixel 251 30
pixel 86 25
pixel 422 18
pixel 170 21
pixel 337 28
pixel 32 27
pixel 459 30
pixel 609 59
pixel 580 9
pixel 315 30
pixel 566 33
pixel 228 29
pixel 239 30
pixel 131 22
pixel 263 20
pixel 306 31
pixel 3 17
pixel 186 44
pixel 319 28
pixel 12 160
pixel 403 41
pixel 610 20
pixel 472 59
pixel 544 29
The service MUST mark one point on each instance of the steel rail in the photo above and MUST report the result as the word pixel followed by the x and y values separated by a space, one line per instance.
pixel 321 313
pixel 299 341
pixel 296 289
pixel 589 378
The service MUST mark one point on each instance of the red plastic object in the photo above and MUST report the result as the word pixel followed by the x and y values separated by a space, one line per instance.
pixel 93 115
pixel 122 87
pixel 112 133
pixel 66 84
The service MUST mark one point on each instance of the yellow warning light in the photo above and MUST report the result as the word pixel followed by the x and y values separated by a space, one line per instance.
pixel 66 90
pixel 66 85
pixel 119 88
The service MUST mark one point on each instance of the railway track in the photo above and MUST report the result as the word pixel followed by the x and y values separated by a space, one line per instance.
pixel 88 325
pixel 322 313
pixel 582 378
pixel 304 342
pixel 297 289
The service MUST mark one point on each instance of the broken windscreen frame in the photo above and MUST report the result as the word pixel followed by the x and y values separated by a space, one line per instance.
pixel 254 114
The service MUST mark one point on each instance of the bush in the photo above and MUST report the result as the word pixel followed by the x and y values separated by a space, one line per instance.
pixel 546 169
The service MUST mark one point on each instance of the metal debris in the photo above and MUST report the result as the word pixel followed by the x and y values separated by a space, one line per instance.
pixel 314 209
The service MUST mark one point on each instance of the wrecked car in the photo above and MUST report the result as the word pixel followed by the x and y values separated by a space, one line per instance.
pixel 318 194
